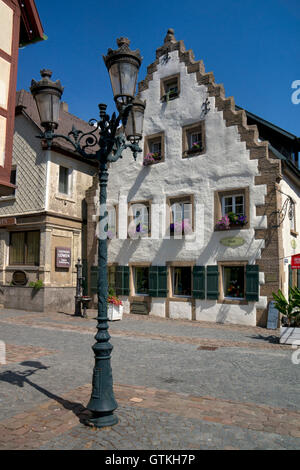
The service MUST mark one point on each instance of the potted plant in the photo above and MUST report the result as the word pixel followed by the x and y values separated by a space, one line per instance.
pixel 152 157
pixel 290 310
pixel 114 306
pixel 231 220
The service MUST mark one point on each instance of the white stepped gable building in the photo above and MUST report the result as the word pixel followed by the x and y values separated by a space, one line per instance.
pixel 204 204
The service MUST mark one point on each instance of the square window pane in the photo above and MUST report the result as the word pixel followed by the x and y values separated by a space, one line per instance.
pixel 63 180
pixel 141 279
pixel 234 281
pixel 33 248
pixel 182 281
pixel 17 248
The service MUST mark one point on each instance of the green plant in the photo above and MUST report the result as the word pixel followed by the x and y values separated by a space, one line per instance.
pixel 111 292
pixel 36 285
pixel 290 309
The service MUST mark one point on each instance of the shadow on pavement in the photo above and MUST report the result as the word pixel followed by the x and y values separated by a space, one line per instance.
pixel 270 339
pixel 20 378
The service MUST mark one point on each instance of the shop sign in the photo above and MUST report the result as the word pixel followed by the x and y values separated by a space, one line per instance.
pixel 232 242
pixel 296 261
pixel 63 257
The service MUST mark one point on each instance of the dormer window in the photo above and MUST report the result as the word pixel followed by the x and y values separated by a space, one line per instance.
pixel 170 88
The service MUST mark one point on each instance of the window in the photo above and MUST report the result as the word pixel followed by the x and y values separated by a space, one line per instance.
pixel 181 216
pixel 24 248
pixel 234 282
pixel 154 149
pixel 141 280
pixel 182 281
pixel 232 209
pixel 193 139
pixel 13 178
pixel 170 88
pixel 111 223
pixel 139 219
pixel 111 277
pixel 64 185
pixel 233 204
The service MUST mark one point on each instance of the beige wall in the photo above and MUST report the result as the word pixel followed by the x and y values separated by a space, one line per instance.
pixel 6 27
pixel 80 180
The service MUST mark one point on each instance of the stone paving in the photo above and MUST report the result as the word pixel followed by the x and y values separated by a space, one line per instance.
pixel 178 384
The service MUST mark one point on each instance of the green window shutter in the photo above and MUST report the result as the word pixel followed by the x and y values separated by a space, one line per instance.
pixel 94 279
pixel 122 280
pixel 298 278
pixel 199 282
pixel 162 287
pixel 252 282
pixel 153 281
pixel 212 276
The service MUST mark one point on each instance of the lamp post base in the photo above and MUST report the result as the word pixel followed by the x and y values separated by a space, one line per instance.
pixel 102 420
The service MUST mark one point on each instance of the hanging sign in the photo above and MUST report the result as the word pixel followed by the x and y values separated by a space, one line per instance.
pixel 296 261
pixel 63 257
pixel 232 242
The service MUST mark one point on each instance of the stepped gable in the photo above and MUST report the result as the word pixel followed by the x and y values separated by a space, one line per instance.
pixel 270 169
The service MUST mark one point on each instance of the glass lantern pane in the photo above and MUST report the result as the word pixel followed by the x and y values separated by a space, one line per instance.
pixel 115 79
pixel 128 77
pixel 139 119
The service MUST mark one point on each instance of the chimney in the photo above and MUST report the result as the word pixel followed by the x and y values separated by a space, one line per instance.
pixel 64 106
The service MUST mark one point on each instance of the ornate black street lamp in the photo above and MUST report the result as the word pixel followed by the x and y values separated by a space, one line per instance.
pixel 107 136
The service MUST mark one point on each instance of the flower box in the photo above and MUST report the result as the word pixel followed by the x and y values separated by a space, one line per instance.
pixel 152 158
pixel 114 312
pixel 289 335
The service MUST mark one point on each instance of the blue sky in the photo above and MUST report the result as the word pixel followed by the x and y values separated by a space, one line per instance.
pixel 252 46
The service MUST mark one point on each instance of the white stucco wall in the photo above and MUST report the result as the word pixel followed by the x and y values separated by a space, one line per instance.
pixel 225 165
pixel 291 243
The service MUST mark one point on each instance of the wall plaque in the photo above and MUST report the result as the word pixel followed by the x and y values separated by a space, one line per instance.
pixel 62 257
pixel 272 316
pixel 232 242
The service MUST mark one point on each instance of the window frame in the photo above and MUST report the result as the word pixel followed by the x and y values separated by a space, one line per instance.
pixel 231 300
pixel 155 138
pixel 181 296
pixel 184 199
pixel 134 280
pixel 25 248
pixel 218 197
pixel 146 203
pixel 196 128
pixel 165 83
pixel 69 181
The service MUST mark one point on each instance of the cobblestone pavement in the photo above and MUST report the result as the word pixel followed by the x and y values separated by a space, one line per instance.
pixel 178 384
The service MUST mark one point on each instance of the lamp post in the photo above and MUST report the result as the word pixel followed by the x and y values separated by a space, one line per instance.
pixel 123 65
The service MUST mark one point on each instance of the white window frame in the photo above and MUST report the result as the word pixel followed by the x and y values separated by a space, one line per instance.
pixel 69 182
pixel 233 196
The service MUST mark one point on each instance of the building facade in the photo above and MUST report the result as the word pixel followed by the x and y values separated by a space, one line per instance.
pixel 19 25
pixel 43 224
pixel 203 225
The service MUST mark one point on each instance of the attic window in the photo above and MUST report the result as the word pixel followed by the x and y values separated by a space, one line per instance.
pixel 170 88
pixel 193 139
